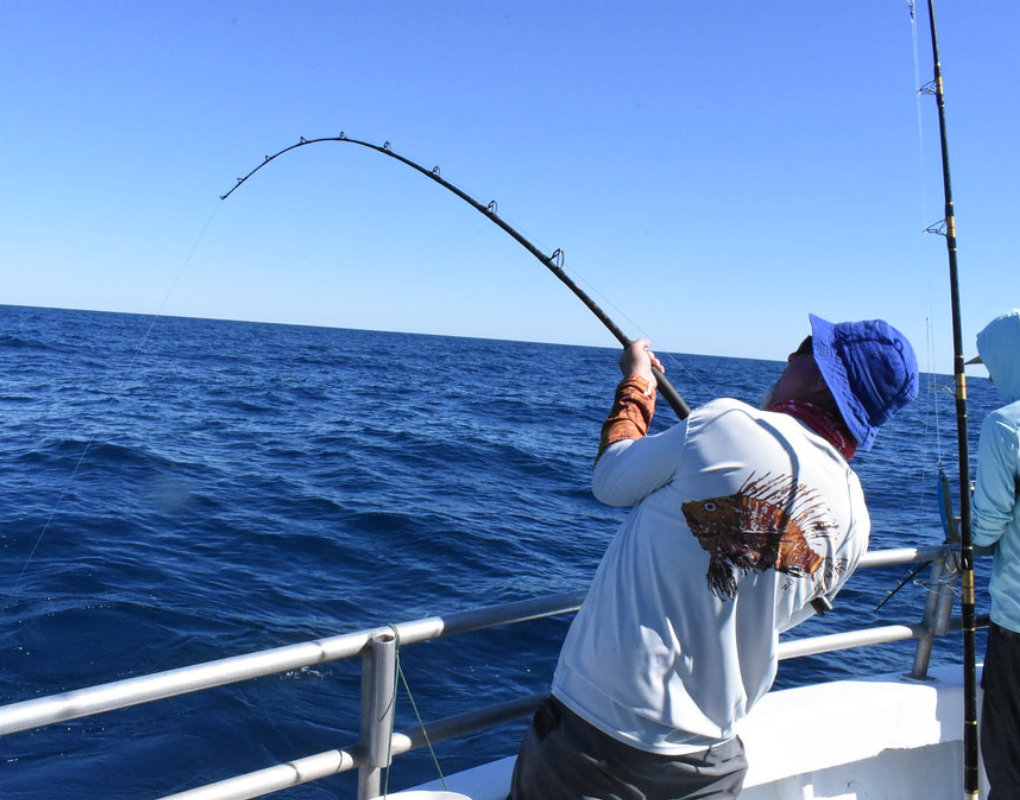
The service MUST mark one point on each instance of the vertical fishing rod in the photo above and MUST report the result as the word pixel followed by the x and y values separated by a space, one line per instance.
pixel 553 263
pixel 948 229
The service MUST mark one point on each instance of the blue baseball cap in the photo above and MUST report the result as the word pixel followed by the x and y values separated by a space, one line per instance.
pixel 869 367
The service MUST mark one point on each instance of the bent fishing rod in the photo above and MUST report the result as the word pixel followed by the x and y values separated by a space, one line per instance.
pixel 967 605
pixel 554 262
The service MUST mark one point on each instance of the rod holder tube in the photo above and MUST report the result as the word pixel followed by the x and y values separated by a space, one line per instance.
pixel 933 604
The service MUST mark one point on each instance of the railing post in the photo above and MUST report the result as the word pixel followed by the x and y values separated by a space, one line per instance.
pixel 378 693
pixel 937 609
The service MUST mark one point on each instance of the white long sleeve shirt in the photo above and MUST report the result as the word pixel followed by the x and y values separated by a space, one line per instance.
pixel 740 518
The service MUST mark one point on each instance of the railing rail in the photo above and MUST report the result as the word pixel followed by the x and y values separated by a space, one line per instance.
pixel 172 683
pixel 377 647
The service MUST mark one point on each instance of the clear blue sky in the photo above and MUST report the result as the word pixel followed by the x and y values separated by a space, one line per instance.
pixel 713 171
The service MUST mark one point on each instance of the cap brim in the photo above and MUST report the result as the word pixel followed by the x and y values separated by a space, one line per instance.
pixel 975 360
pixel 823 334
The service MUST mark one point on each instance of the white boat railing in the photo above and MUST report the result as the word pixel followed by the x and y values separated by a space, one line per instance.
pixel 378 649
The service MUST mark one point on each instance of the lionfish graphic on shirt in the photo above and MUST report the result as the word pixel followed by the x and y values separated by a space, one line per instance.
pixel 767 524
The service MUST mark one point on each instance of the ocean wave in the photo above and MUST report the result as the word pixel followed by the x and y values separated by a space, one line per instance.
pixel 16 343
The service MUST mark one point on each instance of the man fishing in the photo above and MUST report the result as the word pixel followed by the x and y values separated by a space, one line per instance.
pixel 995 524
pixel 743 523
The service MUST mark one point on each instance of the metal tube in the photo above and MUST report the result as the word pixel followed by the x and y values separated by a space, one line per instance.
pixel 146 688
pixel 922 655
pixel 378 696
pixel 844 641
pixel 944 609
pixel 323 765
pixel 273 779
pixel 901 555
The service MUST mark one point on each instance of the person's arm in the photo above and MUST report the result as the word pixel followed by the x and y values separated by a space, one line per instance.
pixel 630 464
pixel 631 414
pixel 995 492
pixel 634 402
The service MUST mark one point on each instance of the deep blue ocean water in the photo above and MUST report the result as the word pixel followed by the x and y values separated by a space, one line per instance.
pixel 180 490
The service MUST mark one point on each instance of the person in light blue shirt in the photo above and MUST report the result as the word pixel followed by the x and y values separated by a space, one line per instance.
pixel 996 524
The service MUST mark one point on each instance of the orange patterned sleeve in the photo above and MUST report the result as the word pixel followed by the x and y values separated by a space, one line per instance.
pixel 631 414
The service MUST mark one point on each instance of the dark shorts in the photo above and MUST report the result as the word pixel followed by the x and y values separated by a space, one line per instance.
pixel 562 757
pixel 1000 713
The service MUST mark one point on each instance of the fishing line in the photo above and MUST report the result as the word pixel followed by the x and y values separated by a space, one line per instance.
pixel 591 288
pixel 417 715
pixel 919 106
pixel 605 301
pixel 664 356
pixel 919 95
pixel 934 389
pixel 920 92
pixel 104 409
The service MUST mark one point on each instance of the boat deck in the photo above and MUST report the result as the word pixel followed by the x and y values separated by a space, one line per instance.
pixel 881 738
